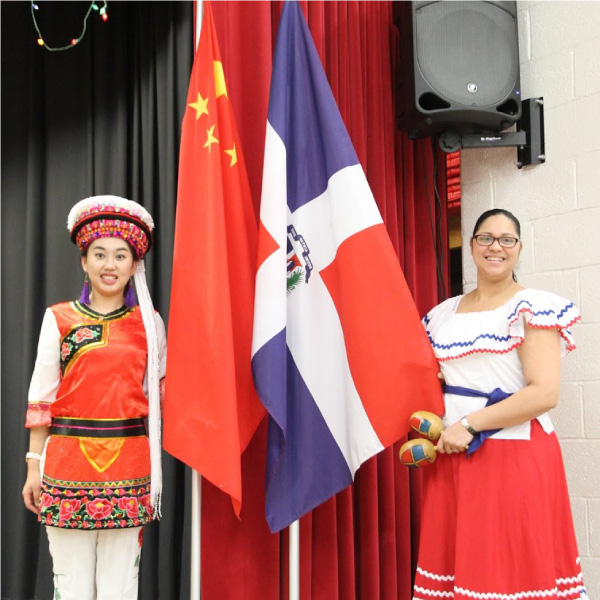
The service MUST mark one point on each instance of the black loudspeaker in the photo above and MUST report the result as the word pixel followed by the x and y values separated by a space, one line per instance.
pixel 458 68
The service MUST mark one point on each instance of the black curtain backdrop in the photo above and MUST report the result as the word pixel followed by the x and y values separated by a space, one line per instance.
pixel 101 118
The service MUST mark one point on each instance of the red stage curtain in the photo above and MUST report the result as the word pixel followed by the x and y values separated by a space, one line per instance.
pixel 360 544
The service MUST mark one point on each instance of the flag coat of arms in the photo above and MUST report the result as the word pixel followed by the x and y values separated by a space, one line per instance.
pixel 211 406
pixel 339 355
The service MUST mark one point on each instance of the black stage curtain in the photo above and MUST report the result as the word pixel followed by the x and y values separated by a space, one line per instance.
pixel 103 117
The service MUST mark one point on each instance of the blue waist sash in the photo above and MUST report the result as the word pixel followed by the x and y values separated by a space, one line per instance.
pixel 492 398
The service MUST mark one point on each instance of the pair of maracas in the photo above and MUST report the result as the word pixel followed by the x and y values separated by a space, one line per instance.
pixel 421 451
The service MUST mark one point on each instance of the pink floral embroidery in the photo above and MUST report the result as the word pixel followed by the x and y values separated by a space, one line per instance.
pixel 147 503
pixel 130 506
pixel 96 508
pixel 67 508
pixel 83 334
pixel 45 501
pixel 65 349
pixel 99 509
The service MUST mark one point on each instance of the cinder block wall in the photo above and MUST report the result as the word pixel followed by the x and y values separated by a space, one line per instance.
pixel 558 204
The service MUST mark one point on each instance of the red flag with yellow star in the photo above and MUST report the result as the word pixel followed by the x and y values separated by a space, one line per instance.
pixel 211 407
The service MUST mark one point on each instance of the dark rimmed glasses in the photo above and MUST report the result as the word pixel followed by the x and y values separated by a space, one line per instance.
pixel 506 241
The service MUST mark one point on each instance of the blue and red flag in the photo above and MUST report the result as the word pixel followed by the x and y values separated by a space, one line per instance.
pixel 339 355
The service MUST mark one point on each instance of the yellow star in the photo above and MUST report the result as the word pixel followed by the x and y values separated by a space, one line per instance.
pixel 220 87
pixel 233 154
pixel 210 138
pixel 201 106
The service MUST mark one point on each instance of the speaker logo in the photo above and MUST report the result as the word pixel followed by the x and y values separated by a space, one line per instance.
pixel 472 87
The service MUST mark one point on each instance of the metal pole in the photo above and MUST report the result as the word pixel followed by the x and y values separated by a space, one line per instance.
pixel 294 541
pixel 195 571
pixel 195 555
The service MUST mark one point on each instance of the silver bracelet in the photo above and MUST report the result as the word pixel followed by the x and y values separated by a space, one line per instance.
pixel 33 455
pixel 468 427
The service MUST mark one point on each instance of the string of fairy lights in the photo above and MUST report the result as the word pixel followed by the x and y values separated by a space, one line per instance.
pixel 99 7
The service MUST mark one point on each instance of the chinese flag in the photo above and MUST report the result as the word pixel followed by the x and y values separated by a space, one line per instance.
pixel 211 408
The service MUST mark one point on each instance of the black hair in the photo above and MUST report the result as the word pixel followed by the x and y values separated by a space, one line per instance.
pixel 131 248
pixel 492 213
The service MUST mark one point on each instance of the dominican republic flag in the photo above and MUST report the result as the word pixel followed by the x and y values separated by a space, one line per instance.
pixel 339 355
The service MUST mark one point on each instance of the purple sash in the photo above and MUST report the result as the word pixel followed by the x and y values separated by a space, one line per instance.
pixel 492 397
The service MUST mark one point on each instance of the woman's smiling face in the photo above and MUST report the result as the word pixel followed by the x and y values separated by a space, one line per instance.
pixel 496 262
pixel 109 264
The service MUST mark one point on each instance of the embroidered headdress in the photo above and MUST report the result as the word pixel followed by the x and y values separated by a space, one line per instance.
pixel 111 216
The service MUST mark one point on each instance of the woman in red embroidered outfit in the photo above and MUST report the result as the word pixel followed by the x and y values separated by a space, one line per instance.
pixel 496 520
pixel 94 475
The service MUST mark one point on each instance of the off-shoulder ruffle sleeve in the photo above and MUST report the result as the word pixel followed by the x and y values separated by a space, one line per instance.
pixel 543 310
pixel 455 335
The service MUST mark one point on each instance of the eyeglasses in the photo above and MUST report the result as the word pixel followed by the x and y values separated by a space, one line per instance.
pixel 487 240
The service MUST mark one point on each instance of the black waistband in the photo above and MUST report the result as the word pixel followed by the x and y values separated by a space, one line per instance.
pixel 98 428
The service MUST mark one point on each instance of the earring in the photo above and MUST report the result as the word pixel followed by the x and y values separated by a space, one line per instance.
pixel 129 297
pixel 84 298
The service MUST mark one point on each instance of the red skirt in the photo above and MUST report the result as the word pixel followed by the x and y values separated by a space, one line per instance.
pixel 498 525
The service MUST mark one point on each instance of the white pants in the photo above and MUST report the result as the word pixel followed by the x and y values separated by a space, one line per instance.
pixel 95 565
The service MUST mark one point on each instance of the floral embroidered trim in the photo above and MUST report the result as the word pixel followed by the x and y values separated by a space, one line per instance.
pixel 95 505
pixel 79 339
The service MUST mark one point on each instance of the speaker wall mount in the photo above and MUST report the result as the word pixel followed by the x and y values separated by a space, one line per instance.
pixel 528 138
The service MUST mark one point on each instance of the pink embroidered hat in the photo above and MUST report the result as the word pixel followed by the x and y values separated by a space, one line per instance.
pixel 111 216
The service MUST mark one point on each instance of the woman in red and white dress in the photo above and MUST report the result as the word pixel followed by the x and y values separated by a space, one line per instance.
pixel 94 469
pixel 496 520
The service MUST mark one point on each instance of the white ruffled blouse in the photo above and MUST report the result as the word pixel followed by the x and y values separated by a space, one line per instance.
pixel 465 342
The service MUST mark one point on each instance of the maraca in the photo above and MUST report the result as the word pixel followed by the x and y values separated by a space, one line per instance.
pixel 427 424
pixel 417 453
pixel 420 452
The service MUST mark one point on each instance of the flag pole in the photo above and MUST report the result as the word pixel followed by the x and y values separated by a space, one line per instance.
pixel 195 554
pixel 195 559
pixel 294 543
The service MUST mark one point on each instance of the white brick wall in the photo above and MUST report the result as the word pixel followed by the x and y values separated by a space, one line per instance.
pixel 558 204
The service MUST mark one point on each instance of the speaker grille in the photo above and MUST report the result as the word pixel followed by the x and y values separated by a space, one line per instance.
pixel 467 51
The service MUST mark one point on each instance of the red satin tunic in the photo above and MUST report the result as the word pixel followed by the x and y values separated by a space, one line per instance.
pixel 91 482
